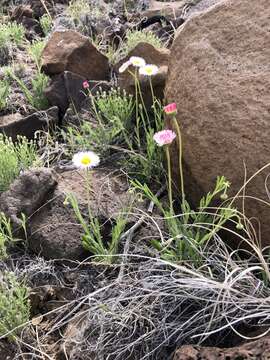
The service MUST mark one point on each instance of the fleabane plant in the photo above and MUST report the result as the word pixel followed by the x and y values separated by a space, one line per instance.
pixel 92 240
pixel 189 230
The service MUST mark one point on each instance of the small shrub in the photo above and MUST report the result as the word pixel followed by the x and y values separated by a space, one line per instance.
pixel 6 236
pixel 35 51
pixel 189 231
pixel 4 93
pixel 15 157
pixel 77 8
pixel 113 112
pixel 11 34
pixel 46 24
pixel 35 96
pixel 14 304
pixel 16 33
pixel 92 240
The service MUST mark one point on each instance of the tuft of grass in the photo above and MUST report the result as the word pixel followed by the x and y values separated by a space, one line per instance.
pixel 35 51
pixel 104 251
pixel 35 96
pixel 14 305
pixel 15 157
pixel 6 235
pixel 11 34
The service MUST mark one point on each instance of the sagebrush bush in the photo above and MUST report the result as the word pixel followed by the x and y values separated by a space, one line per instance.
pixel 15 157
pixel 35 96
pixel 14 304
pixel 46 24
pixel 35 51
pixel 113 112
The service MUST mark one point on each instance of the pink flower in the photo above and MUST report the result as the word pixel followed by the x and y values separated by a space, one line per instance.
pixel 164 137
pixel 170 109
pixel 85 84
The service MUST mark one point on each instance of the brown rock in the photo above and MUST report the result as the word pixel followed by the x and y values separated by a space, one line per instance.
pixel 20 12
pixel 27 194
pixel 24 14
pixel 67 89
pixel 165 8
pixel 55 230
pixel 258 349
pixel 151 55
pixel 70 51
pixel 14 124
pixel 220 79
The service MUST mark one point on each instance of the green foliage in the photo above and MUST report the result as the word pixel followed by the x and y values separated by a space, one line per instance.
pixel 35 51
pixel 189 231
pixel 4 93
pixel 35 96
pixel 11 34
pixel 6 236
pixel 92 240
pixel 46 24
pixel 145 161
pixel 78 8
pixel 14 305
pixel 15 157
pixel 113 112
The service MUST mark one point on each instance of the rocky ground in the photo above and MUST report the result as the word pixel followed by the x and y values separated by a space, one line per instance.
pixel 134 303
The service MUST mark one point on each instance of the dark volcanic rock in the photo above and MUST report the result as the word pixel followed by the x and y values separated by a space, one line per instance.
pixel 258 349
pixel 27 193
pixel 13 125
pixel 70 51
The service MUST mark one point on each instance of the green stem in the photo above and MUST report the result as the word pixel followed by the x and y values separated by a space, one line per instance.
pixel 167 150
pixel 137 108
pixel 180 158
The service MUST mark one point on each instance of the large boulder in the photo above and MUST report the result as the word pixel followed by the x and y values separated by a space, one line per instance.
pixel 70 51
pixel 219 76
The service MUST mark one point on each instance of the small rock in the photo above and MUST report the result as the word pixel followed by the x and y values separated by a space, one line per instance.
pixel 14 124
pixel 21 12
pixel 70 51
pixel 258 349
pixel 27 193
pixel 24 14
pixel 67 89
pixel 170 9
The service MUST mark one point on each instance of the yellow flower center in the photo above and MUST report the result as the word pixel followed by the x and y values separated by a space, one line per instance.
pixel 149 71
pixel 86 160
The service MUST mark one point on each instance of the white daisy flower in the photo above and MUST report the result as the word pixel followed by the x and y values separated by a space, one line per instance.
pixel 124 66
pixel 86 160
pixel 148 70
pixel 137 61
